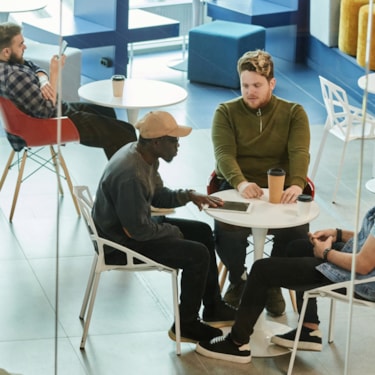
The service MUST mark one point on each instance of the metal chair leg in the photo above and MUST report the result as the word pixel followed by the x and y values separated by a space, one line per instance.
pixel 89 312
pixel 298 334
pixel 69 182
pixel 223 273
pixel 176 312
pixel 57 169
pixel 293 300
pixel 88 288
pixel 332 313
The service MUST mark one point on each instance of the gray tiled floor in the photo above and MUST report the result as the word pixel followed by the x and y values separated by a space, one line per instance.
pixel 133 312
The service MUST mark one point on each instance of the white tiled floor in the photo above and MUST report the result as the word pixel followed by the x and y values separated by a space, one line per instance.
pixel 133 313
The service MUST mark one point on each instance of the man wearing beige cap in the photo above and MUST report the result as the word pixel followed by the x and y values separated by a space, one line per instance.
pixel 130 185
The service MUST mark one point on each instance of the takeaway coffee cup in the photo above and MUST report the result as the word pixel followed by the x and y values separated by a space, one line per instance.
pixel 118 82
pixel 276 179
pixel 303 204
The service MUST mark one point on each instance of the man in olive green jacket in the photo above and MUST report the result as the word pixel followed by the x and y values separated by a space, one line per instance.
pixel 251 134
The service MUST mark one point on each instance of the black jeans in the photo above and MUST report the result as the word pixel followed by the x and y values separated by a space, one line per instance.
pixel 296 271
pixel 194 254
pixel 98 126
pixel 232 241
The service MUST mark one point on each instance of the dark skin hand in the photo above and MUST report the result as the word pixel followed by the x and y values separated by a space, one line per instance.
pixel 202 200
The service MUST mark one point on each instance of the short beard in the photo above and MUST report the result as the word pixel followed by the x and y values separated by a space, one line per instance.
pixel 13 59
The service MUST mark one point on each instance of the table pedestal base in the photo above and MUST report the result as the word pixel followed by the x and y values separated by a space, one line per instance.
pixel 132 114
pixel 260 339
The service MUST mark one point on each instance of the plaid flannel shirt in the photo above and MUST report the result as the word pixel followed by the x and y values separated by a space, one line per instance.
pixel 20 84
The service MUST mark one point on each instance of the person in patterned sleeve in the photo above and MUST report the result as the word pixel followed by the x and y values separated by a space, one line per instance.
pixel 34 91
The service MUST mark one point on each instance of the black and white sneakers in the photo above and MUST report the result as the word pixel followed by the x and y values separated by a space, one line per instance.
pixel 195 331
pixel 224 348
pixel 309 339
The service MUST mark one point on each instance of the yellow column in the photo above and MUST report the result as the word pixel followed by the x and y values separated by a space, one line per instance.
pixel 348 28
pixel 362 37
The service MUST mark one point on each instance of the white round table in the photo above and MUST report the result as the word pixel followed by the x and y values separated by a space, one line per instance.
pixel 138 94
pixel 15 6
pixel 371 83
pixel 261 217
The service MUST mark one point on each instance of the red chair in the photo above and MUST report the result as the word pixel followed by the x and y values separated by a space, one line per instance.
pixel 213 186
pixel 26 132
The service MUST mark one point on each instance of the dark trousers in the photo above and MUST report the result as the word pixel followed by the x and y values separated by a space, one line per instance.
pixel 99 127
pixel 232 241
pixel 296 271
pixel 194 254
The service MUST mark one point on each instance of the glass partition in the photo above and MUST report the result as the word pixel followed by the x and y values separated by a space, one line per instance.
pixel 49 244
pixel 358 219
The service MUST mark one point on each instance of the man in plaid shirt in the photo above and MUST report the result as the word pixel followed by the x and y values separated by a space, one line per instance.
pixel 34 91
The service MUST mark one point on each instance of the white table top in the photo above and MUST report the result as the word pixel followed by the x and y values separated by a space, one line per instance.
pixel 138 94
pixel 262 214
pixel 13 6
pixel 371 83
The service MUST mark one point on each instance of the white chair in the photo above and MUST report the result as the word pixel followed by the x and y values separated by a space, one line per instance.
pixel 335 292
pixel 135 262
pixel 344 121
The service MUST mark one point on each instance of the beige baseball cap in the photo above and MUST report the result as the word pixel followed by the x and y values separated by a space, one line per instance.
pixel 158 124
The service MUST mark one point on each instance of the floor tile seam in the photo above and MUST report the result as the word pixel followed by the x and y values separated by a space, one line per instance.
pixel 166 308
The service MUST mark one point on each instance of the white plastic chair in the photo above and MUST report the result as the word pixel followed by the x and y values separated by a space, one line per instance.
pixel 344 121
pixel 333 291
pixel 135 262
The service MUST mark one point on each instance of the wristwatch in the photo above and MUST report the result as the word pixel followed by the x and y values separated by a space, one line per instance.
pixel 325 253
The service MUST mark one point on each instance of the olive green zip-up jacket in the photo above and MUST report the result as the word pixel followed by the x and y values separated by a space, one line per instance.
pixel 248 142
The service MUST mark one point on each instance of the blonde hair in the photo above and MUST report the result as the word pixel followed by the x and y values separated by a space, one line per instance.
pixel 256 61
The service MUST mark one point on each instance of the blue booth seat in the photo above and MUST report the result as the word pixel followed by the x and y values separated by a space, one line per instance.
pixel 215 47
